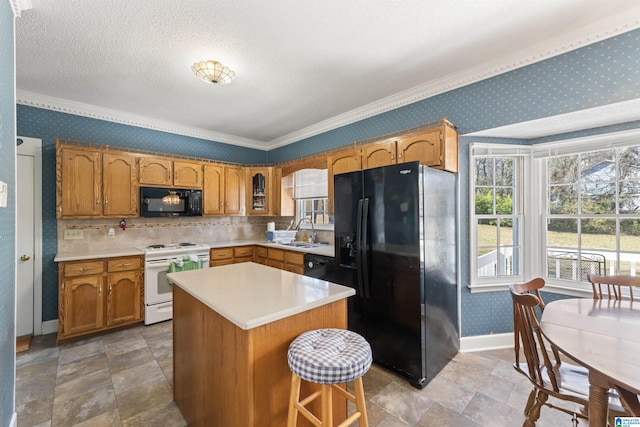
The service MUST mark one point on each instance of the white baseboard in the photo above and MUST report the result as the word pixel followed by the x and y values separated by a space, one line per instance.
pixel 14 420
pixel 486 342
pixel 49 327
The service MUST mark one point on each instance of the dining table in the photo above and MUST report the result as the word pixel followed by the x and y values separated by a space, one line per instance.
pixel 604 336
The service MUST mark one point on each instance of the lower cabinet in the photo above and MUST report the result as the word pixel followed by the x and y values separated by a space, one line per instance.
pixel 273 257
pixel 97 295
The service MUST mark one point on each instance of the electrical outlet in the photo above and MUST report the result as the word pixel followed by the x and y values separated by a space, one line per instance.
pixel 229 229
pixel 73 234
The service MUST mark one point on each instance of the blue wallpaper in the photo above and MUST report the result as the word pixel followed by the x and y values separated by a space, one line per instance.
pixel 595 75
pixel 7 215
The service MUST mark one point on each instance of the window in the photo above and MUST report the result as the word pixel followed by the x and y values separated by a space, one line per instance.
pixel 311 196
pixel 592 213
pixel 497 212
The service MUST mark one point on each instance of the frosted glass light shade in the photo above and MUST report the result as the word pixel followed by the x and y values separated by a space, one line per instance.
pixel 213 72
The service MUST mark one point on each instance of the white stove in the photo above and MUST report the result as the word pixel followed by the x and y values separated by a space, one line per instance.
pixel 158 292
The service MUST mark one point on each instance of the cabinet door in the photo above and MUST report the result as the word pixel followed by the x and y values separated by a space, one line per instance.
pixel 213 193
pixel 341 162
pixel 424 146
pixel 187 174
pixel 258 191
pixel 276 200
pixel 83 308
pixel 123 298
pixel 379 154
pixel 155 171
pixel 233 190
pixel 120 185
pixel 79 183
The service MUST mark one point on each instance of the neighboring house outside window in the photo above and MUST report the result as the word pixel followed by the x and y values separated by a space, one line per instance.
pixel 497 203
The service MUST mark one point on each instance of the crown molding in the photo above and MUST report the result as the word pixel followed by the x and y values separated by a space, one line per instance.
pixel 603 29
pixel 19 5
pixel 86 110
pixel 553 47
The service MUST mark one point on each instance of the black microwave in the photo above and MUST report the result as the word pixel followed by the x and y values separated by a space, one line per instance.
pixel 155 202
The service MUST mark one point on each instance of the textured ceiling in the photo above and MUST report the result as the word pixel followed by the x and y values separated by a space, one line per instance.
pixel 302 67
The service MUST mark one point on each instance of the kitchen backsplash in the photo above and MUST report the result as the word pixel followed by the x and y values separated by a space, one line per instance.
pixel 147 231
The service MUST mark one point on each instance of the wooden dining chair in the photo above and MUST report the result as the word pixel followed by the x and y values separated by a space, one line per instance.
pixel 547 373
pixel 613 285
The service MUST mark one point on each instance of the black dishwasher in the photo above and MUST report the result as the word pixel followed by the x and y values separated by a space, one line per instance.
pixel 318 266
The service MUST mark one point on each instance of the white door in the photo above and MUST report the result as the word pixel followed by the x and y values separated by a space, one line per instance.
pixel 28 248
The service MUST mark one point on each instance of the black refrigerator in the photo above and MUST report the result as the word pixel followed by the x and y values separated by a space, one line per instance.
pixel 395 243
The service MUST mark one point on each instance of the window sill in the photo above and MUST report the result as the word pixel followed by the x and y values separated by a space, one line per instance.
pixel 573 291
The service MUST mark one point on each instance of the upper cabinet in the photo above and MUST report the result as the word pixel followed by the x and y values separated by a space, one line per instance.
pixel 187 174
pixel 213 192
pixel 160 171
pixel 94 184
pixel 78 182
pixel 344 161
pixel 258 191
pixel 234 184
pixel 381 153
pixel 155 171
pixel 120 185
pixel 436 147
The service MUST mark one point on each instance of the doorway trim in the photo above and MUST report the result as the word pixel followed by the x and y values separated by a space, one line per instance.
pixel 33 147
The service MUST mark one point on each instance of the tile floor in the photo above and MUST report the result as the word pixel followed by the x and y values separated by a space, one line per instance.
pixel 124 379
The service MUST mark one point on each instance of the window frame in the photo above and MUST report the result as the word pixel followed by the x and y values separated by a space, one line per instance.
pixel 300 201
pixel 522 153
pixel 541 153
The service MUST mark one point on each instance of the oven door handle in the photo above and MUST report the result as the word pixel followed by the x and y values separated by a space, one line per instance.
pixel 159 263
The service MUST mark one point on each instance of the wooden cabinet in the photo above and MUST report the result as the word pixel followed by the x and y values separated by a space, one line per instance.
pixel 294 262
pixel 234 184
pixel 120 189
pixel 342 162
pixel 78 183
pixel 377 154
pixel 95 184
pixel 276 200
pixel 220 256
pixel 258 191
pixel 276 258
pixel 160 171
pixel 436 147
pixel 261 255
pixel 187 174
pixel 155 171
pixel 213 190
pixel 97 295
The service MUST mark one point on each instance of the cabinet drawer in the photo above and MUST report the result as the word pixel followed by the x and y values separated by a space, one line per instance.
pixel 276 254
pixel 261 251
pixel 243 251
pixel 83 268
pixel 299 269
pixel 219 262
pixel 296 258
pixel 124 264
pixel 238 260
pixel 275 264
pixel 221 253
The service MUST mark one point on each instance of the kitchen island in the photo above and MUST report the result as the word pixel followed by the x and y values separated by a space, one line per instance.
pixel 232 326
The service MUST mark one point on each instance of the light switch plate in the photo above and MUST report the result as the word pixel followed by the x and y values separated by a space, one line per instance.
pixel 4 192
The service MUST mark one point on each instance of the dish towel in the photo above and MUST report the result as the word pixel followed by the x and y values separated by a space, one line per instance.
pixel 184 263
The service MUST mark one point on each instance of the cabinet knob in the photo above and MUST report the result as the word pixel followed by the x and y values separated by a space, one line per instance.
pixel 25 257
pixel 106 201
pixel 97 202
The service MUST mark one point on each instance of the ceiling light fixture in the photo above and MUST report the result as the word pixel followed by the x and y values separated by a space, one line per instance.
pixel 213 72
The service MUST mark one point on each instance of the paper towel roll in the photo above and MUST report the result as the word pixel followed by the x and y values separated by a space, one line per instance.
pixel 271 226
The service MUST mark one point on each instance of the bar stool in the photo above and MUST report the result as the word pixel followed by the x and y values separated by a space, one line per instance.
pixel 328 357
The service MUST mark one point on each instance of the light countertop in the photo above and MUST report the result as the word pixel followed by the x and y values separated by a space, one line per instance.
pixel 252 295
pixel 101 253
pixel 326 250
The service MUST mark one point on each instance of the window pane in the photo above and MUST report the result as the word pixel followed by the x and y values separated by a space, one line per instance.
pixel 563 199
pixel 509 232
pixel 629 164
pixel 484 201
pixel 508 263
pixel 563 169
pixel 629 246
pixel 504 171
pixel 629 197
pixel 598 234
pixel 504 201
pixel 598 198
pixel 483 171
pixel 562 233
pixel 487 233
pixel 598 166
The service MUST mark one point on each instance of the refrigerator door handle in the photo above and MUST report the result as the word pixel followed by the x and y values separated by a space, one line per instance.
pixel 365 249
pixel 359 249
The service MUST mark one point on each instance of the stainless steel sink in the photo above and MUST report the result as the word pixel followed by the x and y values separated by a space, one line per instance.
pixel 301 244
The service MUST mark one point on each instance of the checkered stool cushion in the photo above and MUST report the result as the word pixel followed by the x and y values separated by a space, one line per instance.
pixel 329 356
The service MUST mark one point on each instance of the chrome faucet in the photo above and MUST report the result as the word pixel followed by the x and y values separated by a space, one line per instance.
pixel 313 229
